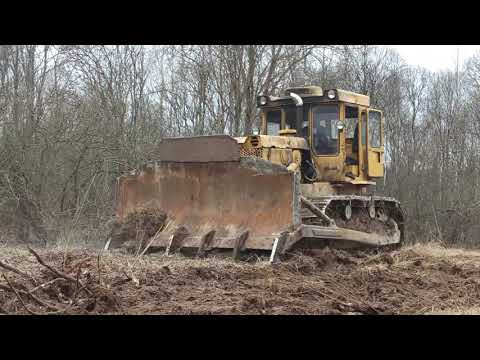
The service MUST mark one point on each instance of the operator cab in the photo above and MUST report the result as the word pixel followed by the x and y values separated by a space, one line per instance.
pixel 344 134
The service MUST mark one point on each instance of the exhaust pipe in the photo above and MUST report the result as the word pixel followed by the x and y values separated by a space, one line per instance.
pixel 298 100
pixel 299 104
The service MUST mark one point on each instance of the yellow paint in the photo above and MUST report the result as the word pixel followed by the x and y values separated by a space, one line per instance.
pixel 284 149
pixel 376 155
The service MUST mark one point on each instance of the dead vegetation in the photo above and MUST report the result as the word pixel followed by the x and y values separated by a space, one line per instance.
pixel 415 280
pixel 138 227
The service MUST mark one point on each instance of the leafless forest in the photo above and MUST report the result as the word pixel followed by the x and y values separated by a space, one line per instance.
pixel 74 118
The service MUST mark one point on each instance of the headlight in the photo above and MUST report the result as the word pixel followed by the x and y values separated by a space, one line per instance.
pixel 263 100
pixel 331 94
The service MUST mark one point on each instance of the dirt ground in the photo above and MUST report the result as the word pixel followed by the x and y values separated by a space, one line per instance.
pixel 424 279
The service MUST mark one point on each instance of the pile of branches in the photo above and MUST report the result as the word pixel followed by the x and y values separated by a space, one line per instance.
pixel 77 288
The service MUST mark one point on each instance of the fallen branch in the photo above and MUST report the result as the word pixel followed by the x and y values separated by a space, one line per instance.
pixel 29 293
pixel 18 296
pixel 56 272
pixel 17 271
pixel 41 286
pixel 41 302
pixel 6 288
pixel 356 304
pixel 121 282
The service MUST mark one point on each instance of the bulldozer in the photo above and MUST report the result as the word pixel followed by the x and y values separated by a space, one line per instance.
pixel 305 180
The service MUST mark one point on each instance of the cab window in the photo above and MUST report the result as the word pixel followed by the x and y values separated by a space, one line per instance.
pixel 364 129
pixel 325 131
pixel 290 117
pixel 351 126
pixel 274 120
pixel 374 127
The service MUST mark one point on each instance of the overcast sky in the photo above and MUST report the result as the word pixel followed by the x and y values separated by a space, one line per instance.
pixel 435 57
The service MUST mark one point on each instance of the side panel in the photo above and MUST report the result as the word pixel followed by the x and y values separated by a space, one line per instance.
pixel 375 163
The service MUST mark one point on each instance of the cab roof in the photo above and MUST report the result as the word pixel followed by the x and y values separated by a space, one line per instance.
pixel 316 94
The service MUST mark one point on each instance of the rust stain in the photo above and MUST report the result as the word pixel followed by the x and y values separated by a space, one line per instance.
pixel 225 197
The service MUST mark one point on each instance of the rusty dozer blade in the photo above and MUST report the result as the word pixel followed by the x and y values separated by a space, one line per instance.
pixel 217 199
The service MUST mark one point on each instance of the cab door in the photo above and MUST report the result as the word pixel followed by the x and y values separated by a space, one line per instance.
pixel 362 145
pixel 375 143
pixel 326 141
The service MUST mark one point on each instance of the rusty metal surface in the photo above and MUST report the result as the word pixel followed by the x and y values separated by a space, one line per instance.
pixel 225 242
pixel 339 237
pixel 215 148
pixel 228 197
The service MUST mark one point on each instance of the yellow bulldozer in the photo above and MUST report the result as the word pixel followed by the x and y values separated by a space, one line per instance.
pixel 305 181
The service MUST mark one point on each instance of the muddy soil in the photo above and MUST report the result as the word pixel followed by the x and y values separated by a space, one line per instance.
pixel 137 227
pixel 415 280
pixel 361 221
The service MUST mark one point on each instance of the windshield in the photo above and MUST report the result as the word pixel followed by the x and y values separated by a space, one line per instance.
pixel 273 122
pixel 291 119
pixel 374 127
pixel 325 131
pixel 274 117
pixel 351 126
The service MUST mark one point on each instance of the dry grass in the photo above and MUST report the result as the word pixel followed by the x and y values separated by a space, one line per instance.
pixel 475 310
pixel 438 250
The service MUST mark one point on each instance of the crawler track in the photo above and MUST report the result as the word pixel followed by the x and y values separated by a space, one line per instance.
pixel 369 214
